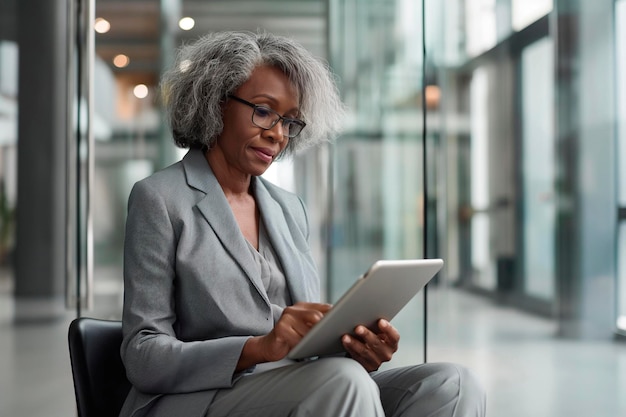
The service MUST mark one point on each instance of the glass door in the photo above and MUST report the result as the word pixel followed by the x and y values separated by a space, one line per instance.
pixel 620 47
pixel 538 170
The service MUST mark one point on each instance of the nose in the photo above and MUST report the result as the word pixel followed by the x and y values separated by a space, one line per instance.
pixel 277 133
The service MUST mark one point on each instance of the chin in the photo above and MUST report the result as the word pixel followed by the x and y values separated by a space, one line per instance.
pixel 259 170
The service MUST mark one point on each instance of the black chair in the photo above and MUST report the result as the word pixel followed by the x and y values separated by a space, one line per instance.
pixel 100 382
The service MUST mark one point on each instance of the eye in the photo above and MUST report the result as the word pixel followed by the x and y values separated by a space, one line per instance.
pixel 293 127
pixel 263 112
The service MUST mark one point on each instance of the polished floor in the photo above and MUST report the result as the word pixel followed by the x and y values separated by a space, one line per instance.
pixel 524 368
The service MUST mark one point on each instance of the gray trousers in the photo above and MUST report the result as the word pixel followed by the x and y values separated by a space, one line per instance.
pixel 340 387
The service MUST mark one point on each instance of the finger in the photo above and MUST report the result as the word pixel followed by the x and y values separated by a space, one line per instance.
pixel 389 334
pixel 308 314
pixel 367 336
pixel 321 307
pixel 361 353
pixel 288 331
pixel 295 322
pixel 376 344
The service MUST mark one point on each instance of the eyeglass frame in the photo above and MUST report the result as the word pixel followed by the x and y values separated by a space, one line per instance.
pixel 297 122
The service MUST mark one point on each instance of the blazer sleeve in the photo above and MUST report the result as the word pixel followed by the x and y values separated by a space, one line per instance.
pixel 156 360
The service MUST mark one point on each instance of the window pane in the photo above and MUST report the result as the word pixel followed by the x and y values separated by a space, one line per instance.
pixel 620 48
pixel 480 199
pixel 526 12
pixel 8 171
pixel 538 168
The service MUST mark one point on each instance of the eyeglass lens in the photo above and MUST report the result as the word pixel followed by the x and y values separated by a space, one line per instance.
pixel 266 119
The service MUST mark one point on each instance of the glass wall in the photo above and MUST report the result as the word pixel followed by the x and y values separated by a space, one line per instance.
pixel 620 48
pixel 127 139
pixel 531 93
pixel 377 191
pixel 515 185
pixel 8 166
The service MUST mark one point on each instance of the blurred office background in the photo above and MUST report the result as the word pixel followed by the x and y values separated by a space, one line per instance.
pixel 490 133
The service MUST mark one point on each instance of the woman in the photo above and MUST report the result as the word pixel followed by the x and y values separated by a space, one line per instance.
pixel 219 279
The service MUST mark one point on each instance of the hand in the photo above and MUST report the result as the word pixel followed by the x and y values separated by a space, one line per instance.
pixel 294 323
pixel 371 349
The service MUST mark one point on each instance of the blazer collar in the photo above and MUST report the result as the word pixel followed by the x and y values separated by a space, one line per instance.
pixel 216 210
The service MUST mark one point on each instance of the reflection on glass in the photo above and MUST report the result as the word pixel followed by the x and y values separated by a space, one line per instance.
pixel 538 168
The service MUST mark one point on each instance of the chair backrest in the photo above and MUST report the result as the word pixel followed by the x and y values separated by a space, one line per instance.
pixel 100 382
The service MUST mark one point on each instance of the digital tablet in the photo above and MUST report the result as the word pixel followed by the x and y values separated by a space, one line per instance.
pixel 380 293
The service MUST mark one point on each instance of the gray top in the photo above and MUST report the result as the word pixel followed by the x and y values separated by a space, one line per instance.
pixel 271 273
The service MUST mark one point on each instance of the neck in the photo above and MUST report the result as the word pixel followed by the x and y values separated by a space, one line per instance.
pixel 233 182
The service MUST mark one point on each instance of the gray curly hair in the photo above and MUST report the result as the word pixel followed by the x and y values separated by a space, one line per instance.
pixel 208 70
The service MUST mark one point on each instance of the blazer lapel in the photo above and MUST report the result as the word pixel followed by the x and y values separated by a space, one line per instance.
pixel 280 236
pixel 217 212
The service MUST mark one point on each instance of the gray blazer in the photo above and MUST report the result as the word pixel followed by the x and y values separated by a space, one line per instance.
pixel 193 294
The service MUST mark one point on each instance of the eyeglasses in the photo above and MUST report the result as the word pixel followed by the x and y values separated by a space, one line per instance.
pixel 266 118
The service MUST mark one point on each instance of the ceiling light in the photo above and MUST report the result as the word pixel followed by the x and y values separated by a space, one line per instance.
pixel 121 61
pixel 101 25
pixel 140 91
pixel 186 23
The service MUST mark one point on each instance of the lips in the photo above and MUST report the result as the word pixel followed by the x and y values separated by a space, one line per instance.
pixel 265 154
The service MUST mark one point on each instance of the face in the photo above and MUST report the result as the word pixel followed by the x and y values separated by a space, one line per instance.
pixel 246 148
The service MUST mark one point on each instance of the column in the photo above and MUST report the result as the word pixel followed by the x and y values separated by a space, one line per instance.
pixel 40 231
